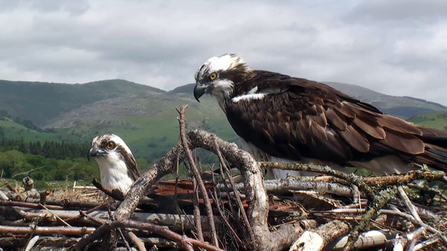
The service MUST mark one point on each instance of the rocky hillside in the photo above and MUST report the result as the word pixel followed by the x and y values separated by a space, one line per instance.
pixel 40 102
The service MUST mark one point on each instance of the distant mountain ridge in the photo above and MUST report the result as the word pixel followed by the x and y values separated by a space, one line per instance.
pixel 403 107
pixel 40 101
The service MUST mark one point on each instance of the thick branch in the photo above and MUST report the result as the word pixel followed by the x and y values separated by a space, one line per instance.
pixel 285 185
pixel 254 189
pixel 351 178
pixel 175 222
pixel 165 166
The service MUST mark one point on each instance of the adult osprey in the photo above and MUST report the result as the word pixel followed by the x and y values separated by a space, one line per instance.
pixel 117 166
pixel 283 118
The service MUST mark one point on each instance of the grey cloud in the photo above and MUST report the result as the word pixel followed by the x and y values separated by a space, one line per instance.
pixel 410 11
pixel 375 44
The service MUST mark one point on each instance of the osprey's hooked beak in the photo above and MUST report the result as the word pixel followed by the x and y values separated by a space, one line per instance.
pixel 199 90
pixel 94 151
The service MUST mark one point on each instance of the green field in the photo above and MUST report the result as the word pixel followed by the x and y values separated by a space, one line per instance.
pixel 16 131
pixel 152 135
pixel 437 120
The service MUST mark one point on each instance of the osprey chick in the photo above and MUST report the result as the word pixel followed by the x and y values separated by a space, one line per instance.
pixel 281 118
pixel 117 165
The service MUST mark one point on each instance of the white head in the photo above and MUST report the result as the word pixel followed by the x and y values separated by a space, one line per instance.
pixel 218 75
pixel 117 165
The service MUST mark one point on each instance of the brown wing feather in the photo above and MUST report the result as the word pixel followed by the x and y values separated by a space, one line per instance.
pixel 398 125
pixel 336 120
pixel 344 110
pixel 131 163
pixel 304 118
pixel 405 143
pixel 355 139
pixel 370 128
pixel 133 171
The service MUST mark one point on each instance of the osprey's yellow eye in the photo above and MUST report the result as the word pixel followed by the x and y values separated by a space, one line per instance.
pixel 110 145
pixel 213 76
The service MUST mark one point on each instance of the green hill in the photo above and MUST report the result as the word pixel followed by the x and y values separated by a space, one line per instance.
pixel 39 102
pixel 148 124
pixel 13 130
pixel 436 120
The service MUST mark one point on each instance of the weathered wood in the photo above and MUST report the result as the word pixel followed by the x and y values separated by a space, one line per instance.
pixel 71 203
pixel 185 242
pixel 68 231
pixel 370 239
pixel 196 175
pixel 254 190
pixel 173 221
pixel 44 241
pixel 316 240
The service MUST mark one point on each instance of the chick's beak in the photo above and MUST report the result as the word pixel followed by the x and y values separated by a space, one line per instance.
pixel 94 151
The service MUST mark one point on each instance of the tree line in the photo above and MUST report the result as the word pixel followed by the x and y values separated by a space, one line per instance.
pixel 15 164
pixel 47 149
pixel 48 161
pixel 19 120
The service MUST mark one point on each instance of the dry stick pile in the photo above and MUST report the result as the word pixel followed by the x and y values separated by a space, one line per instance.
pixel 332 212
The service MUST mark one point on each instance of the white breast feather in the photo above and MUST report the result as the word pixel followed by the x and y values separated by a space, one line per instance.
pixel 114 172
pixel 222 90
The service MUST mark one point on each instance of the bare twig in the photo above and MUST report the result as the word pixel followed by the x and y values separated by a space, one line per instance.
pixel 9 186
pixel 197 221
pixel 224 219
pixel 426 243
pixel 414 221
pixel 408 203
pixel 31 243
pixel 57 217
pixel 27 204
pixel 74 231
pixel 137 241
pixel 379 202
pixel 196 174
pixel 186 242
pixel 236 192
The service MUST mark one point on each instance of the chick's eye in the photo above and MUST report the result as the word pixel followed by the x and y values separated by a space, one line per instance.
pixel 110 145
pixel 213 76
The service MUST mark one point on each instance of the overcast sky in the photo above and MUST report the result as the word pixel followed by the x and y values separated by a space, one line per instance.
pixel 395 47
